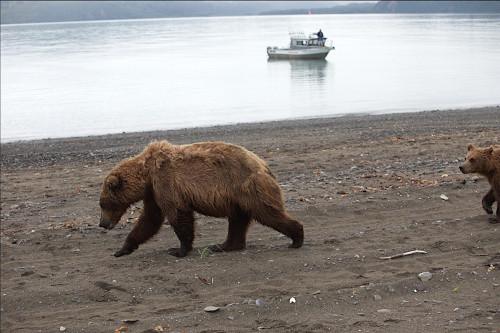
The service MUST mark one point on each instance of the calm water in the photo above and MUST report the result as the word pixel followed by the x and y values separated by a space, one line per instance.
pixel 78 79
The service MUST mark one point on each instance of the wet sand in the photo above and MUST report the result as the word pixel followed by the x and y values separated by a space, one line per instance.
pixel 364 187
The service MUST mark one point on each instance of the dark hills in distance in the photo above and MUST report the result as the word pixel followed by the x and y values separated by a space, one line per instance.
pixel 62 11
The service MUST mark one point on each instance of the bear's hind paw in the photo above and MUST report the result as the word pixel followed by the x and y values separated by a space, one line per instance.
pixel 488 209
pixel 217 248
pixel 177 252
pixel 122 252
pixel 494 220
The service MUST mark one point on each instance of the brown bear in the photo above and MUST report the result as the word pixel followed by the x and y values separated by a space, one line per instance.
pixel 212 178
pixel 486 162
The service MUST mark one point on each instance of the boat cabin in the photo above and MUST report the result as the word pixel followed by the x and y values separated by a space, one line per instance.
pixel 301 41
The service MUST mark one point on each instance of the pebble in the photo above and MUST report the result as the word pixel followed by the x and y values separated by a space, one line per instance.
pixel 384 311
pixel 62 328
pixel 230 318
pixel 377 297
pixel 260 303
pixel 444 197
pixel 211 308
pixel 425 276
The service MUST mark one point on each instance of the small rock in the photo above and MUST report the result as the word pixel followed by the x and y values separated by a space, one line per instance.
pixel 425 276
pixel 384 311
pixel 377 297
pixel 230 318
pixel 292 300
pixel 444 197
pixel 16 207
pixel 62 328
pixel 260 303
pixel 420 288
pixel 211 308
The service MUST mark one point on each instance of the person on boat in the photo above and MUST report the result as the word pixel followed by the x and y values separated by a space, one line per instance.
pixel 320 37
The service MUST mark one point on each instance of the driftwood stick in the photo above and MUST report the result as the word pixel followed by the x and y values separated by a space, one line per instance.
pixel 403 254
pixel 202 279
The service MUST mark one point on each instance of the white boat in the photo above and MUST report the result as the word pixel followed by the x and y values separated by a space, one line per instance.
pixel 301 47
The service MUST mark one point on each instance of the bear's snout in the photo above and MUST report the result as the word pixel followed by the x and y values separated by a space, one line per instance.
pixel 464 169
pixel 109 218
pixel 105 223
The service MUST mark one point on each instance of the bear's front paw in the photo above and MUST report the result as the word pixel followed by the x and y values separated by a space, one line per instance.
pixel 296 243
pixel 177 252
pixel 122 252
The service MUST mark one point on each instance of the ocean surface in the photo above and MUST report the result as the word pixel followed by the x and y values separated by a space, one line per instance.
pixel 99 77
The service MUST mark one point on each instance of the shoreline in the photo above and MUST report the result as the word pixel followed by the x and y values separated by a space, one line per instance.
pixel 360 114
pixel 134 142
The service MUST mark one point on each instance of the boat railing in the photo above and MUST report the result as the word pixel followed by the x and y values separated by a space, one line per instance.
pixel 317 43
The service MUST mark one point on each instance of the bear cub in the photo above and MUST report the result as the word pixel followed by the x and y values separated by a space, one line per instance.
pixel 486 162
pixel 211 178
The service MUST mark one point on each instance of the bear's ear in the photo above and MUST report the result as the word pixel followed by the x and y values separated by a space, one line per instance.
pixel 113 182
pixel 470 146
pixel 489 150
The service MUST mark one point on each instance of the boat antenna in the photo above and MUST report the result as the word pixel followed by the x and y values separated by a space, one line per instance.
pixel 297 33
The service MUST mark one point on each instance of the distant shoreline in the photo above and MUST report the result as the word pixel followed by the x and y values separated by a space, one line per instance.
pixel 226 16
pixel 19 12
pixel 242 124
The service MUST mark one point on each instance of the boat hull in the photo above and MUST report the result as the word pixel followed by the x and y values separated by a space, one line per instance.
pixel 317 53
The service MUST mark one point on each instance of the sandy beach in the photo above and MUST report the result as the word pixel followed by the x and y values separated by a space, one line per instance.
pixel 364 187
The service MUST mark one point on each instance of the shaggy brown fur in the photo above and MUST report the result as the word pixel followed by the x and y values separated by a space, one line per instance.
pixel 213 178
pixel 486 162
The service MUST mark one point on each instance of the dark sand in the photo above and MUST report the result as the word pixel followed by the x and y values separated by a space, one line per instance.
pixel 363 186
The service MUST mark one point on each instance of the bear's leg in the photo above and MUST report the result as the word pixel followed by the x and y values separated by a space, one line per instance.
pixel 497 199
pixel 236 234
pixel 183 225
pixel 148 224
pixel 284 223
pixel 488 201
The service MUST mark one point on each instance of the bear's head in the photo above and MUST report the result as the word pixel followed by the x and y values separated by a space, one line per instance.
pixel 478 160
pixel 112 207
pixel 120 189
